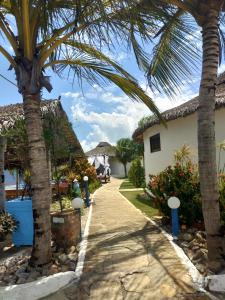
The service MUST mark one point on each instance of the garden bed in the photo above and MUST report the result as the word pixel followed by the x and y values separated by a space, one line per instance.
pixel 16 270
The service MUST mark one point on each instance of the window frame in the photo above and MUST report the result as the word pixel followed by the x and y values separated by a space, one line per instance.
pixel 152 150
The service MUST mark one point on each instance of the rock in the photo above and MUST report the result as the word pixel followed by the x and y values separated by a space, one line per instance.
pixel 10 262
pixel 53 270
pixel 187 237
pixel 184 245
pixel 200 255
pixel 195 248
pixel 34 275
pixel 199 237
pixel 63 257
pixel 72 250
pixel 2 269
pixel 21 281
pixel 72 266
pixel 73 256
pixel 65 268
pixel 21 270
pixel 201 267
pixel 22 275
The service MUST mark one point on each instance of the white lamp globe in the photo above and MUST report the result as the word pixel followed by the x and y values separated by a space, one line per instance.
pixel 173 202
pixel 77 203
pixel 85 178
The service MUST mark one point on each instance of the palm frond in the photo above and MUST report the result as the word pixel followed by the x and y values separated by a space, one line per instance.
pixel 175 55
pixel 85 67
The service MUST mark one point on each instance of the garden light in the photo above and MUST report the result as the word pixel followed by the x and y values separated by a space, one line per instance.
pixel 174 203
pixel 77 203
pixel 85 178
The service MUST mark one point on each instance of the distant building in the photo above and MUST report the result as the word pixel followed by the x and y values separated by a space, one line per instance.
pixel 160 142
pixel 105 154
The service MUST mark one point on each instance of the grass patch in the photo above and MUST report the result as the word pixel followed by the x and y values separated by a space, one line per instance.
pixel 126 184
pixel 142 202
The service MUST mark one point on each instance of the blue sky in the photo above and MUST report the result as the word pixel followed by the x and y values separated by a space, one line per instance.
pixel 99 114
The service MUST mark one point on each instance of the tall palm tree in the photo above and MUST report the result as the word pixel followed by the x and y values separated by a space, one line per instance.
pixel 60 34
pixel 172 60
pixel 124 152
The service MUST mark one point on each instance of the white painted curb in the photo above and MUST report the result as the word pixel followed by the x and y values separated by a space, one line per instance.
pixel 198 279
pixel 49 285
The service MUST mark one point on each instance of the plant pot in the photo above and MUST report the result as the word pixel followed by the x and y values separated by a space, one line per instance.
pixel 6 241
pixel 66 228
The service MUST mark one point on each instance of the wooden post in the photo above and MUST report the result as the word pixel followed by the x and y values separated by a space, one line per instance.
pixel 2 178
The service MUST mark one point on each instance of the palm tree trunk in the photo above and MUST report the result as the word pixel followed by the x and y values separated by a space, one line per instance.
pixel 41 252
pixel 2 183
pixel 125 169
pixel 206 139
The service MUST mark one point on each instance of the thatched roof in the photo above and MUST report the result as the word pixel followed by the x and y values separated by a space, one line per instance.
pixel 53 116
pixel 183 110
pixel 103 148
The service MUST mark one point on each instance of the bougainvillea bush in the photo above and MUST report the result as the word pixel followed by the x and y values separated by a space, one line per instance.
pixel 180 180
pixel 82 168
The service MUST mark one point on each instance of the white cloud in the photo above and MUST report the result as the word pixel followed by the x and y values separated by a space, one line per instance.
pixel 124 114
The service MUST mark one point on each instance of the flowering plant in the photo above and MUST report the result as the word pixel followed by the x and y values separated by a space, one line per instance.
pixel 180 180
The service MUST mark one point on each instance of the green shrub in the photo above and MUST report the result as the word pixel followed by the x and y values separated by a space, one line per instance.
pixel 136 174
pixel 181 181
pixel 93 186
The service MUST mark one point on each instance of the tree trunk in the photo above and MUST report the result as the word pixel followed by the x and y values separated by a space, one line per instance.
pixel 206 140
pixel 125 169
pixel 2 181
pixel 41 189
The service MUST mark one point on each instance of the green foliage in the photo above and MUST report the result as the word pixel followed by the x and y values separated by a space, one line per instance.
pixel 136 173
pixel 7 224
pixel 124 150
pixel 93 186
pixel 65 203
pixel 180 180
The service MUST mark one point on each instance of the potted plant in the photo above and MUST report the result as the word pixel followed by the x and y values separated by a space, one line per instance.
pixel 65 221
pixel 7 225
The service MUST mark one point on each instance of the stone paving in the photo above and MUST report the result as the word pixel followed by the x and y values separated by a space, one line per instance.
pixel 127 257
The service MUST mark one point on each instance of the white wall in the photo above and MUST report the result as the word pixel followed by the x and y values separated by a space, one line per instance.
pixel 117 168
pixel 178 132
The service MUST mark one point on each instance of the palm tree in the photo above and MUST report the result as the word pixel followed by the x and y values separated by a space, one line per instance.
pixel 124 152
pixel 172 60
pixel 59 35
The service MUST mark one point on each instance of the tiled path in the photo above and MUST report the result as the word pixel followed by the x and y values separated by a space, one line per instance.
pixel 127 257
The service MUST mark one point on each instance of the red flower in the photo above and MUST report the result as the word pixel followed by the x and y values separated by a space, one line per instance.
pixel 181 174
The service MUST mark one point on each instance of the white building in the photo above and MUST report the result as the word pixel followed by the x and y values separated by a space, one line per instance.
pixel 160 143
pixel 104 151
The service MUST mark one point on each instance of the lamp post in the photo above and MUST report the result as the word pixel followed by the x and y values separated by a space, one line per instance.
pixel 174 203
pixel 77 204
pixel 87 200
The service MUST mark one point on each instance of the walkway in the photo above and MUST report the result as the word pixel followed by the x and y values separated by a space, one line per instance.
pixel 127 257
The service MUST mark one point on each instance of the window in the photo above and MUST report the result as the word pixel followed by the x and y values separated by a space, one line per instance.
pixel 155 143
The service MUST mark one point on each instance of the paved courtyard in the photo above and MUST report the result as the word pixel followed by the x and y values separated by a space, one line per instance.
pixel 127 257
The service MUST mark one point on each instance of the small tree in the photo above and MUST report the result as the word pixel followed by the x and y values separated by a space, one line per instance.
pixel 124 152
pixel 136 173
